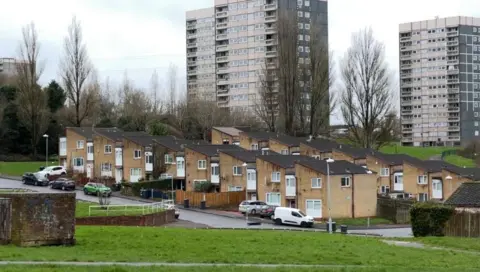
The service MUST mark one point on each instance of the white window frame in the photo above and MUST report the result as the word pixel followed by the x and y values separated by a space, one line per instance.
pixel 139 170
pixel 232 188
pixel 237 170
pixel 383 189
pixel 202 164
pixel 284 152
pixel 137 154
pixel 78 158
pixel 89 149
pixel 106 148
pixel 168 158
pixel 384 172
pixel 347 184
pixel 424 194
pixel 422 179
pixel 106 167
pixel 317 157
pixel 316 183
pixel 268 198
pixel 80 144
pixel 63 145
pixel 254 147
pixel 276 177
pixel 149 159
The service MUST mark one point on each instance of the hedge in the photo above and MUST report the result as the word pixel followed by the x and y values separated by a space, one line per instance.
pixel 162 184
pixel 428 219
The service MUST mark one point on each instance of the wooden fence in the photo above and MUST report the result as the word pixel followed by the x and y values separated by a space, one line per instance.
pixel 395 210
pixel 5 220
pixel 463 224
pixel 212 200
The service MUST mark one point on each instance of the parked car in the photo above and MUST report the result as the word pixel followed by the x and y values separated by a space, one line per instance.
pixel 252 206
pixel 34 179
pixel 63 184
pixel 292 216
pixel 267 211
pixel 92 188
pixel 52 171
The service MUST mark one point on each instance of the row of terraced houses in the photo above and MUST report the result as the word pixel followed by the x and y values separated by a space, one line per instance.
pixel 277 169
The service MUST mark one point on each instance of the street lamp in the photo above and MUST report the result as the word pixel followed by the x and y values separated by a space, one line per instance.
pixel 173 200
pixel 328 196
pixel 46 149
pixel 246 192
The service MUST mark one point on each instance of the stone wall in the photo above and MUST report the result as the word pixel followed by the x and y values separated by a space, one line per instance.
pixel 148 220
pixel 5 220
pixel 42 218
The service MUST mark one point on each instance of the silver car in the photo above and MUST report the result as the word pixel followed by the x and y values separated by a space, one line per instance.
pixel 252 206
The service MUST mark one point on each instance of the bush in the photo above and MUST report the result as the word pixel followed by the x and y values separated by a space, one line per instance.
pixel 428 219
pixel 203 186
pixel 135 187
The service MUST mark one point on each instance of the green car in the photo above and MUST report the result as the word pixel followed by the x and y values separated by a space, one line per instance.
pixel 92 188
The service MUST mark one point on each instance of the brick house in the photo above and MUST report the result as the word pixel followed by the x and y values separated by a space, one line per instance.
pixel 352 154
pixel 225 135
pixel 255 140
pixel 276 183
pixel 203 164
pixel 285 145
pixel 317 148
pixel 352 192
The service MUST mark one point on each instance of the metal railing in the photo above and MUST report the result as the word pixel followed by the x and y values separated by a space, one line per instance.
pixel 131 209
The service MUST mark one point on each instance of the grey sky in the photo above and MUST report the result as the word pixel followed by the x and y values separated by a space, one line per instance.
pixel 142 35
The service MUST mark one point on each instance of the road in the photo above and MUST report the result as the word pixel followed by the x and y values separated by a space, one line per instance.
pixel 202 219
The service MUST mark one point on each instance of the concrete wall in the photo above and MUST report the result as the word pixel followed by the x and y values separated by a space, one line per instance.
pixel 5 220
pixel 42 218
pixel 150 220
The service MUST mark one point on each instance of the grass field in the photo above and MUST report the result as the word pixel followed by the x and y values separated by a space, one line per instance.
pixel 83 207
pixel 460 161
pixel 232 246
pixel 19 168
pixel 361 221
pixel 423 153
pixel 472 244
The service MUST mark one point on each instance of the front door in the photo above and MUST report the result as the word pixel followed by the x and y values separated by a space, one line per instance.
pixel 215 175
pixel 180 167
pixel 118 175
pixel 89 170
pixel 398 182
pixel 437 189
pixel 253 197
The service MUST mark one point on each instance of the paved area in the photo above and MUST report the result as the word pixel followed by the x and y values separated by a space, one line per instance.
pixel 200 219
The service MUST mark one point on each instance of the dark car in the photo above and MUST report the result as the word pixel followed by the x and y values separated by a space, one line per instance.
pixel 32 179
pixel 63 184
pixel 267 211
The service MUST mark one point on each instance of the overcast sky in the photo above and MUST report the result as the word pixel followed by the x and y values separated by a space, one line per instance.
pixel 142 35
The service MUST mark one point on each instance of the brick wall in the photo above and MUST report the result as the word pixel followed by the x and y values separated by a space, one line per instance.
pixel 5 220
pixel 42 218
pixel 149 220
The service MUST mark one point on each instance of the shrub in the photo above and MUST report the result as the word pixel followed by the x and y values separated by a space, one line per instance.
pixel 203 186
pixel 135 187
pixel 428 219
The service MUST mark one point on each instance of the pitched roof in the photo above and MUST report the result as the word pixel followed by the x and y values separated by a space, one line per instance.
pixel 146 140
pixel 322 145
pixel 432 166
pixel 212 150
pixel 284 161
pixel 177 145
pixel 262 136
pixel 355 152
pixel 287 140
pixel 335 168
pixel 248 156
pixel 467 195
pixel 232 131
pixel 116 134
pixel 87 132
pixel 395 159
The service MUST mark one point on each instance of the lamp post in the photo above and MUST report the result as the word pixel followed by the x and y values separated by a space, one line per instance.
pixel 246 192
pixel 328 196
pixel 46 149
pixel 449 178
pixel 173 200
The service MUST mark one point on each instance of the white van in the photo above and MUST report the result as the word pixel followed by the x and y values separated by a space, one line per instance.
pixel 292 216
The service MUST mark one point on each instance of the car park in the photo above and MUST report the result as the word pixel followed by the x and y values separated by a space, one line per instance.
pixel 92 188
pixel 252 206
pixel 292 216
pixel 34 179
pixel 64 184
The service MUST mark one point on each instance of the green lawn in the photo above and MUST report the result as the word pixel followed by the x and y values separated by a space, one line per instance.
pixel 472 244
pixel 233 246
pixel 19 168
pixel 460 161
pixel 82 210
pixel 423 153
pixel 361 221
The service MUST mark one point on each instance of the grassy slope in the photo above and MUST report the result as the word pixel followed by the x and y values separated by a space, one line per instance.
pixel 472 244
pixel 83 207
pixel 19 168
pixel 229 246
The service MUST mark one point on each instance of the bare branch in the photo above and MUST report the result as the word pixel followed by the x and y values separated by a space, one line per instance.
pixel 172 88
pixel 266 104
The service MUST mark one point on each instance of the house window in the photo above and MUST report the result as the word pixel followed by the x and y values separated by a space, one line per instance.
pixel 422 179
pixel 316 183
pixel 137 154
pixel 384 172
pixel 202 164
pixel 237 170
pixel 168 159
pixel 77 161
pixel 316 157
pixel 63 145
pixel 284 152
pixel 80 144
pixel 384 189
pixel 149 159
pixel 107 149
pixel 273 199
pixel 254 147
pixel 422 197
pixel 135 172
pixel 345 181
pixel 235 188
pixel 106 167
pixel 275 176
pixel 90 149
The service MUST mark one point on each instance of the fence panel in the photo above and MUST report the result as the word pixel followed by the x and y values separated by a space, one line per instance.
pixel 463 224
pixel 212 200
pixel 395 210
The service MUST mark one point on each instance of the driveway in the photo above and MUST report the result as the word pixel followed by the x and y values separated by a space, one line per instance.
pixel 202 219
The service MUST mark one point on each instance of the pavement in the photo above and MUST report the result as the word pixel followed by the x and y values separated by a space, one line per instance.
pixel 201 218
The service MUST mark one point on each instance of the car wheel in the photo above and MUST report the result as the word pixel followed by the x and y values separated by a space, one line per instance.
pixel 303 224
pixel 261 216
pixel 36 183
pixel 24 181
pixel 278 221
pixel 63 188
pixel 253 211
pixel 85 192
pixel 63 174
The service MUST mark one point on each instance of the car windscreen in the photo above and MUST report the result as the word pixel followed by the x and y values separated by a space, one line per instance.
pixel 301 213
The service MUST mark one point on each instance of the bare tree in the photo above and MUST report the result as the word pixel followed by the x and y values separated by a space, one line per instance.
pixel 266 104
pixel 75 69
pixel 322 102
pixel 366 96
pixel 155 88
pixel 172 88
pixel 287 68
pixel 135 107
pixel 33 110
pixel 206 114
